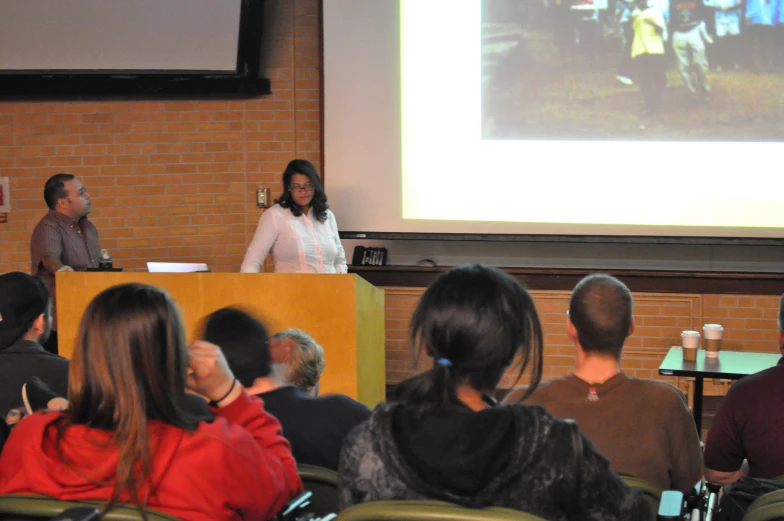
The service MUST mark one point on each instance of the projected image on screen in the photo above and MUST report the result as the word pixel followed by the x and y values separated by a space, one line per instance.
pixel 633 69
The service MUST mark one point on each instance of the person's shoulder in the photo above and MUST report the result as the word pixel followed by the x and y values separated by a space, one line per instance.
pixel 223 434
pixel 757 382
pixel 47 222
pixel 530 413
pixel 32 427
pixel 340 399
pixel 547 390
pixel 341 402
pixel 655 389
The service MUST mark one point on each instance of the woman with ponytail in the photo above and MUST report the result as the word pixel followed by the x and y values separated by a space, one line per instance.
pixel 446 438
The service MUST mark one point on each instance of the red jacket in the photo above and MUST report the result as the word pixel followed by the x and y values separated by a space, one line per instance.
pixel 236 467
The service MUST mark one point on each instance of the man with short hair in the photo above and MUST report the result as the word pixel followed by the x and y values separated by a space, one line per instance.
pixel 315 426
pixel 25 321
pixel 64 239
pixel 643 427
pixel 745 436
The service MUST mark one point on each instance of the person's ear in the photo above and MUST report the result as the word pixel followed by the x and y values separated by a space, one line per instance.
pixel 280 350
pixel 781 341
pixel 39 324
pixel 571 331
pixel 631 327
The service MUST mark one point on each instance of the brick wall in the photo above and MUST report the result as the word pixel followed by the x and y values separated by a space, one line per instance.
pixel 749 322
pixel 170 180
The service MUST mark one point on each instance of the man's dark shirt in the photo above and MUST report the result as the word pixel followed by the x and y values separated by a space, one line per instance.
pixel 75 243
pixel 21 361
pixel 315 427
pixel 748 425
pixel 685 15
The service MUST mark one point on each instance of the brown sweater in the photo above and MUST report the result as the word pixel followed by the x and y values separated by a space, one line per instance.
pixel 642 426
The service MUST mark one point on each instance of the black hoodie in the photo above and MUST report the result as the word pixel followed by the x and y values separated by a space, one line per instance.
pixel 514 456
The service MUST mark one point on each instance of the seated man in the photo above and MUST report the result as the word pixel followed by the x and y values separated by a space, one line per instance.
pixel 64 239
pixel 745 436
pixel 642 426
pixel 25 321
pixel 315 427
pixel 298 359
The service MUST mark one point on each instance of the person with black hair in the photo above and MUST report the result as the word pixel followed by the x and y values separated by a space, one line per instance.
pixel 644 427
pixel 64 239
pixel 25 323
pixel 299 230
pixel 315 426
pixel 446 438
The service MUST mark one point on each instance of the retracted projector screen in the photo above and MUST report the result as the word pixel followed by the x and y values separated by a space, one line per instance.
pixel 510 117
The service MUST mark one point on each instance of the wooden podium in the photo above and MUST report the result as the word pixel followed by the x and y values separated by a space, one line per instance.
pixel 344 313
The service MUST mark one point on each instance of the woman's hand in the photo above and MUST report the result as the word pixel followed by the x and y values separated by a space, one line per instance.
pixel 209 374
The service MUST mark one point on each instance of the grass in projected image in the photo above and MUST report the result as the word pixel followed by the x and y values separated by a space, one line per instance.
pixel 562 69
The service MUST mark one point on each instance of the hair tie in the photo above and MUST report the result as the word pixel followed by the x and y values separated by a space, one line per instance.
pixel 444 362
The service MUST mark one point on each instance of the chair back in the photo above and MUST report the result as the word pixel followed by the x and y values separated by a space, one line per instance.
pixel 427 510
pixel 770 512
pixel 323 483
pixel 25 507
pixel 764 500
pixel 651 492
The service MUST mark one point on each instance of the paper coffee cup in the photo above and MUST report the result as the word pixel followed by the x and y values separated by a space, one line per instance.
pixel 711 334
pixel 690 341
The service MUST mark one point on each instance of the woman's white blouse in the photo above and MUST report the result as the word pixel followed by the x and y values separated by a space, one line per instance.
pixel 298 244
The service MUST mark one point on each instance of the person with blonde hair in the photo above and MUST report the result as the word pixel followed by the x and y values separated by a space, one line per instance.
pixel 129 436
pixel 298 359
pixel 315 425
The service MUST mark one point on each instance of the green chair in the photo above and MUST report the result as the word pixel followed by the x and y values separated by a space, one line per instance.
pixel 764 500
pixel 427 510
pixel 651 492
pixel 23 507
pixel 324 485
pixel 770 512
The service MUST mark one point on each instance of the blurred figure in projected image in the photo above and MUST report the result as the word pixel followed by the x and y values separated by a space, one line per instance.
pixel 299 230
pixel 624 9
pixel 689 37
pixel 760 18
pixel 648 54
pixel 727 46
pixel 446 437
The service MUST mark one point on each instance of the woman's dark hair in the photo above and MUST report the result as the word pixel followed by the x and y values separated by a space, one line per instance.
pixel 319 201
pixel 129 366
pixel 473 320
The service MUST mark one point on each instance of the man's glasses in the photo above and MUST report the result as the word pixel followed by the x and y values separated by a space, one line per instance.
pixel 297 188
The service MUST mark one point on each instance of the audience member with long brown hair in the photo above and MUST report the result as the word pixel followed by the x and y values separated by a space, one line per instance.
pixel 129 435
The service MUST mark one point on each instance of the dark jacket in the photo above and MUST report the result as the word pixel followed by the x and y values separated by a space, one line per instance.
pixel 21 361
pixel 514 456
pixel 315 426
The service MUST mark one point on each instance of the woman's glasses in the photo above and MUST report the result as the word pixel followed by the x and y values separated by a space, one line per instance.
pixel 305 188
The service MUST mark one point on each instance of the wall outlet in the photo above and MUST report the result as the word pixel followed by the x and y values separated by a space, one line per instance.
pixel 263 197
